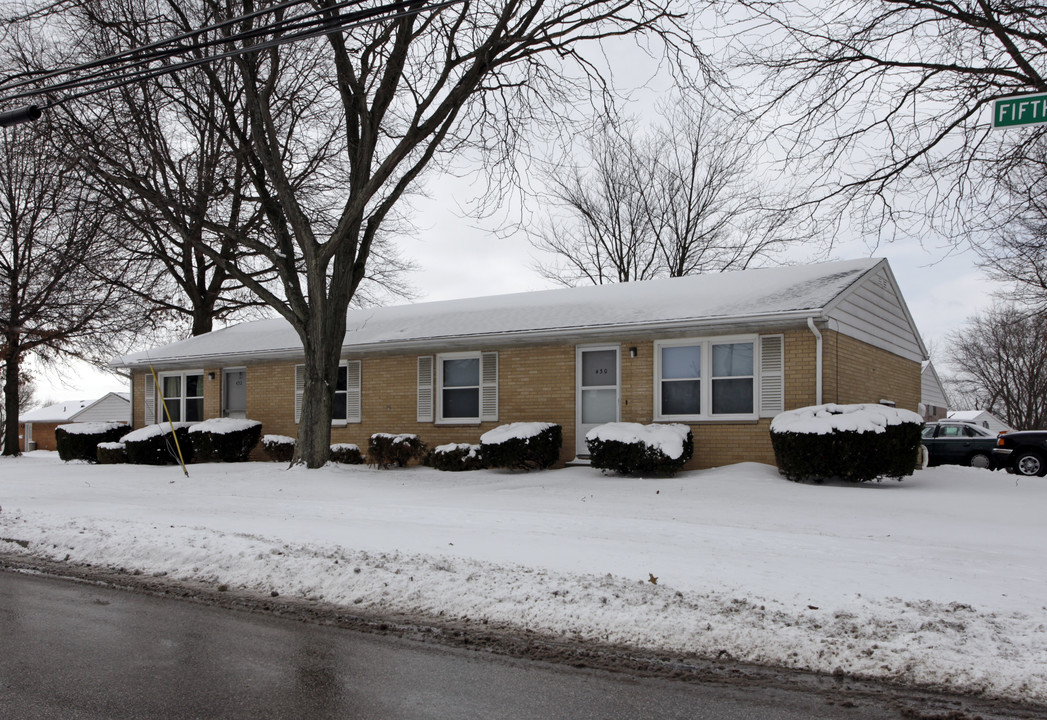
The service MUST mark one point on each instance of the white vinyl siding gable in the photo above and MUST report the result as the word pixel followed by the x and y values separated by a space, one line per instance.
pixel 873 311
pixel 111 408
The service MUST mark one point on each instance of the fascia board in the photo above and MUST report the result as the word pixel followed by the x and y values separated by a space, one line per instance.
pixel 493 339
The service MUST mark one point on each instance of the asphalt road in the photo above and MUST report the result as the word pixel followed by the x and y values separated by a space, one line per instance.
pixel 78 650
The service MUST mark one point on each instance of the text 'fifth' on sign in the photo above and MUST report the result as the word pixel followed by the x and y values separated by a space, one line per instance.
pixel 1019 110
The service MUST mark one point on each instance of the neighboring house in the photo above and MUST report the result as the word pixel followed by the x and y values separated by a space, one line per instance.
pixel 935 406
pixel 984 418
pixel 723 353
pixel 36 428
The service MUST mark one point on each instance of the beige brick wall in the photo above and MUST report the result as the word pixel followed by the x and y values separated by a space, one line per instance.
pixel 856 372
pixel 537 383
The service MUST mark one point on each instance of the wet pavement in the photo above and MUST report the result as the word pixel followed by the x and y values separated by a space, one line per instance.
pixel 80 650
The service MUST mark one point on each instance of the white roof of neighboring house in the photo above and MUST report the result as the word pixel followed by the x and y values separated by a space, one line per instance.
pixel 979 416
pixel 735 298
pixel 68 410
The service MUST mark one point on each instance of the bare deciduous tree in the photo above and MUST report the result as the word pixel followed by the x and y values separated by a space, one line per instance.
pixel 883 105
pixel 332 133
pixel 678 200
pixel 26 397
pixel 56 294
pixel 1001 357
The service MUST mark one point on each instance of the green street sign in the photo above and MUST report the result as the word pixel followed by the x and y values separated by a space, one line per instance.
pixel 1019 110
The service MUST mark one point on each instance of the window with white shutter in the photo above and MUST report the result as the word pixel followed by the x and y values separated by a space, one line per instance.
pixel 149 406
pixel 466 387
pixel 772 375
pixel 425 388
pixel 299 391
pixel 489 386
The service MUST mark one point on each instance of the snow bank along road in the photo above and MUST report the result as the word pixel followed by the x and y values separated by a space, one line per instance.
pixel 939 581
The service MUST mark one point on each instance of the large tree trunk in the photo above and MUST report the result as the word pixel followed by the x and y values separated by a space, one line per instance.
pixel 322 343
pixel 11 398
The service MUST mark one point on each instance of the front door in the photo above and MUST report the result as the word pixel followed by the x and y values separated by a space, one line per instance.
pixel 234 393
pixel 596 368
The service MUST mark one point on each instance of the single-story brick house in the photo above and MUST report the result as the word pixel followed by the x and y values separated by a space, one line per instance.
pixel 723 353
pixel 36 428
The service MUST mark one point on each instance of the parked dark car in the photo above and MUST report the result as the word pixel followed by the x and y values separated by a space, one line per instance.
pixel 959 443
pixel 1023 452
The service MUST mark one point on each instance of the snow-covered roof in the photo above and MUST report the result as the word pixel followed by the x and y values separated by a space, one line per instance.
pixel 763 294
pixel 55 413
pixel 981 417
pixel 66 410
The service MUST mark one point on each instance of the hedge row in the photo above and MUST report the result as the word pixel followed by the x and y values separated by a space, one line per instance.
pixel 853 443
pixel 217 440
pixel 635 449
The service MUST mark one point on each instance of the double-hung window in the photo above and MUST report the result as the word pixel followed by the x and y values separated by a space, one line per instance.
pixel 466 387
pixel 183 396
pixel 346 407
pixel 710 378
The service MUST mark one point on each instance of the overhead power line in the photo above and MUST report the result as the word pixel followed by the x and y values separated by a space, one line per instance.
pixel 203 44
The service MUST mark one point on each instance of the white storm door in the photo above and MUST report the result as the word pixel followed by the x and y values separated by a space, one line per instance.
pixel 234 390
pixel 596 368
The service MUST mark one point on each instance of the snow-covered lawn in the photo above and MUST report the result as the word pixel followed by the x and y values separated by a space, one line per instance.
pixel 940 579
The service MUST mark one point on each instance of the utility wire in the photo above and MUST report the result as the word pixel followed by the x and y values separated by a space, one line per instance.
pixel 146 53
pixel 136 63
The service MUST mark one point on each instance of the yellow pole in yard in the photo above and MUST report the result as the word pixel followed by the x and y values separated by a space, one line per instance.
pixel 163 402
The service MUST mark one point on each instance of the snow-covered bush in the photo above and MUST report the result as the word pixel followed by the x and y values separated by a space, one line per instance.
pixel 384 449
pixel 79 441
pixel 455 457
pixel 635 449
pixel 347 454
pixel 154 444
pixel 111 453
pixel 224 439
pixel 855 443
pixel 522 446
pixel 279 448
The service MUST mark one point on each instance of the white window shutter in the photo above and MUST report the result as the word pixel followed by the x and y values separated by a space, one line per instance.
pixel 150 400
pixel 425 388
pixel 772 375
pixel 489 386
pixel 353 391
pixel 299 391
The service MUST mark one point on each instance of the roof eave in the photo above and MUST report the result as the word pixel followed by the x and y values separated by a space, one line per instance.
pixel 492 338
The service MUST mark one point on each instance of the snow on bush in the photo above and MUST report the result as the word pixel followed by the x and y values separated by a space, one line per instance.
pixel 223 426
pixel 829 418
pixel 153 444
pixel 110 453
pixel 386 449
pixel 455 457
pixel 90 428
pixel 79 441
pixel 522 446
pixel 347 454
pixel 632 448
pixel 224 439
pixel 855 443
pixel 151 431
pixel 279 448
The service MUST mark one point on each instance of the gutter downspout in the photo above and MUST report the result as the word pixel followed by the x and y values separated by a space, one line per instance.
pixel 817 361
